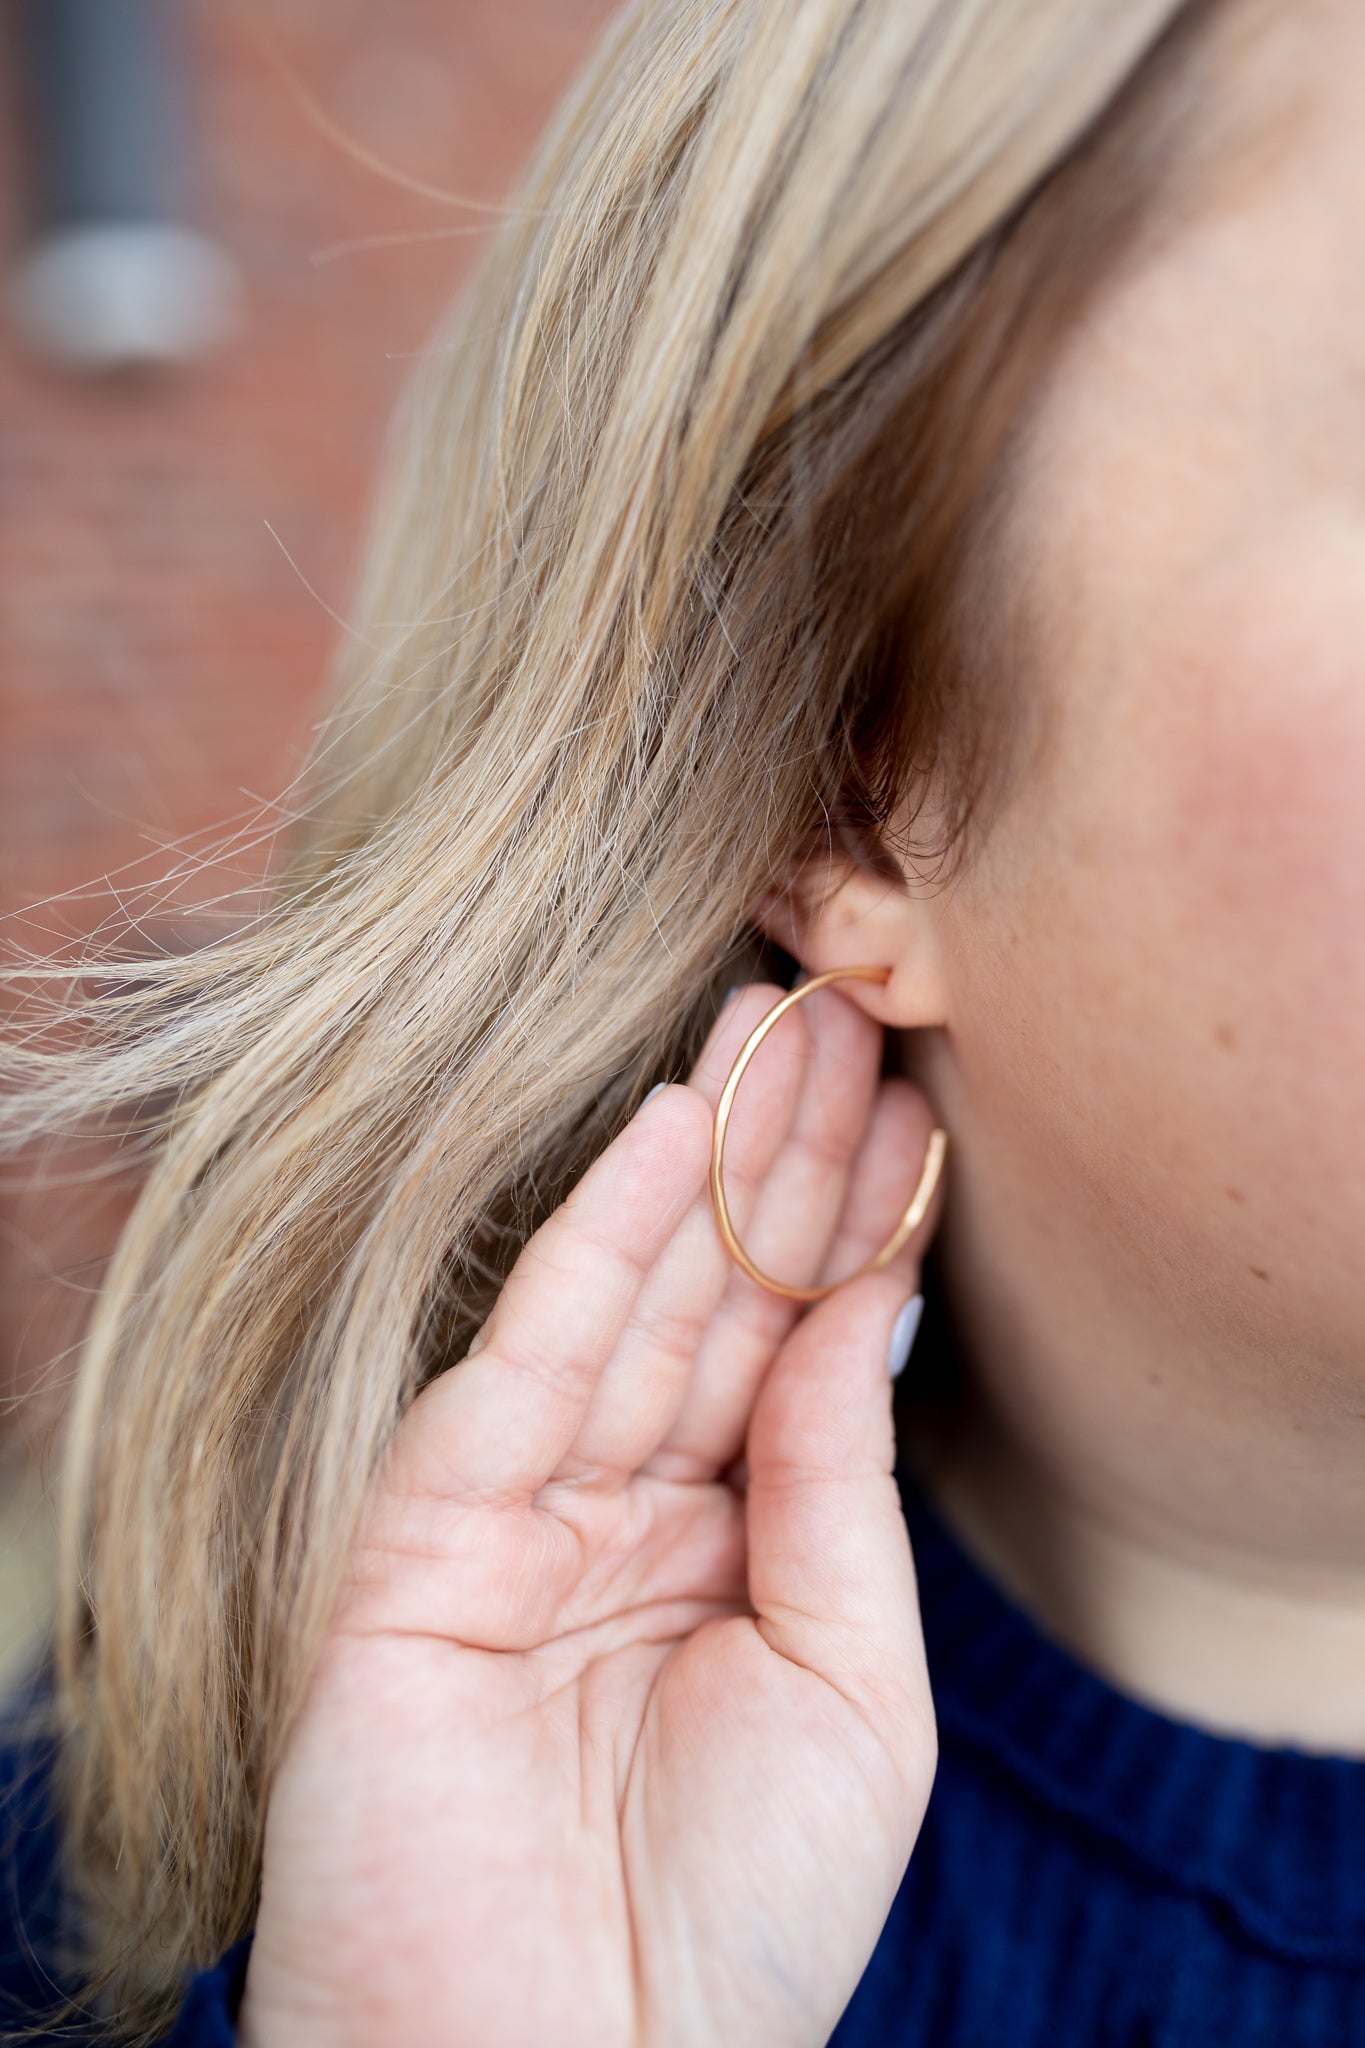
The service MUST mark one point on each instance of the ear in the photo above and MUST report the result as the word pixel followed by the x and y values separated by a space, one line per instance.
pixel 837 910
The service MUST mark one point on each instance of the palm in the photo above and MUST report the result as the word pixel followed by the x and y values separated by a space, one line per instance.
pixel 603 1748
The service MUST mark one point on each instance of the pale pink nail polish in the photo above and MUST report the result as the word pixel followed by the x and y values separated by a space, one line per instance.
pixel 903 1335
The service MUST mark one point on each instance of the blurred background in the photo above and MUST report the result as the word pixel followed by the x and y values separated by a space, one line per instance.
pixel 225 232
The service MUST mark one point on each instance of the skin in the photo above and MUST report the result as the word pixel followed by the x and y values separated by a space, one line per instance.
pixel 1145 994
pixel 594 1725
pixel 597 1717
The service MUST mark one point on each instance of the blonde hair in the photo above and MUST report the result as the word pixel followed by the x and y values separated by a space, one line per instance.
pixel 665 581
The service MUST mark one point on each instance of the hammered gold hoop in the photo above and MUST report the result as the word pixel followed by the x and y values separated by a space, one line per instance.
pixel 929 1173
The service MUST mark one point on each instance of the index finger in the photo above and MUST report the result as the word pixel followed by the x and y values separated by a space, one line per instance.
pixel 497 1425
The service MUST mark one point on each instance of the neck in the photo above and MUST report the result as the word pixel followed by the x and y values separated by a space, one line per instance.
pixel 1186 1516
pixel 1199 1633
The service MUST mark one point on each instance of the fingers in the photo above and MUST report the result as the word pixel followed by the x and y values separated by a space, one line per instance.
pixel 498 1425
pixel 835 1192
pixel 881 1184
pixel 625 1339
pixel 646 1380
pixel 830 1573
pixel 786 1224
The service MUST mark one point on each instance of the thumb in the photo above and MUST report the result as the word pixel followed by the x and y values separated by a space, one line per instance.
pixel 831 1578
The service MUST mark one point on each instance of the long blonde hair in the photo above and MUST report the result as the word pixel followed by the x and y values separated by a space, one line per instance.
pixel 666 579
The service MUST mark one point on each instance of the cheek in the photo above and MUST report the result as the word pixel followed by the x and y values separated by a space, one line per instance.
pixel 1173 1009
pixel 1251 741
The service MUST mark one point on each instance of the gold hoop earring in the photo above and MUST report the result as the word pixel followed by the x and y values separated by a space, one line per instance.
pixel 930 1173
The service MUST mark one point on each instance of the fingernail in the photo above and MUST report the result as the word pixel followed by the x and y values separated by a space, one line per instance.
pixel 903 1335
pixel 657 1089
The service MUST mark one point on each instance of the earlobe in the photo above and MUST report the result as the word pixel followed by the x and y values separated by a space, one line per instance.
pixel 843 913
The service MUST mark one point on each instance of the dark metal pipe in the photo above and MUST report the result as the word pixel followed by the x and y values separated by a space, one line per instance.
pixel 115 275
pixel 106 93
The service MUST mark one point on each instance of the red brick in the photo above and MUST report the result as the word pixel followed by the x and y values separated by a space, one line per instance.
pixel 158 655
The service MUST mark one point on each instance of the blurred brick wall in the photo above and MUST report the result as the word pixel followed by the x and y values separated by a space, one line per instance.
pixel 159 656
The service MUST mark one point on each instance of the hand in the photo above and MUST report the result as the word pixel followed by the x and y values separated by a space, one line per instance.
pixel 607 1746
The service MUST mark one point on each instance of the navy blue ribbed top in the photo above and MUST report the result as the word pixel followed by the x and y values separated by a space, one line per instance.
pixel 1091 1874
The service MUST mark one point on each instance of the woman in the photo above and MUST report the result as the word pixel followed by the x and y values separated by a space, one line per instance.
pixel 892 495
